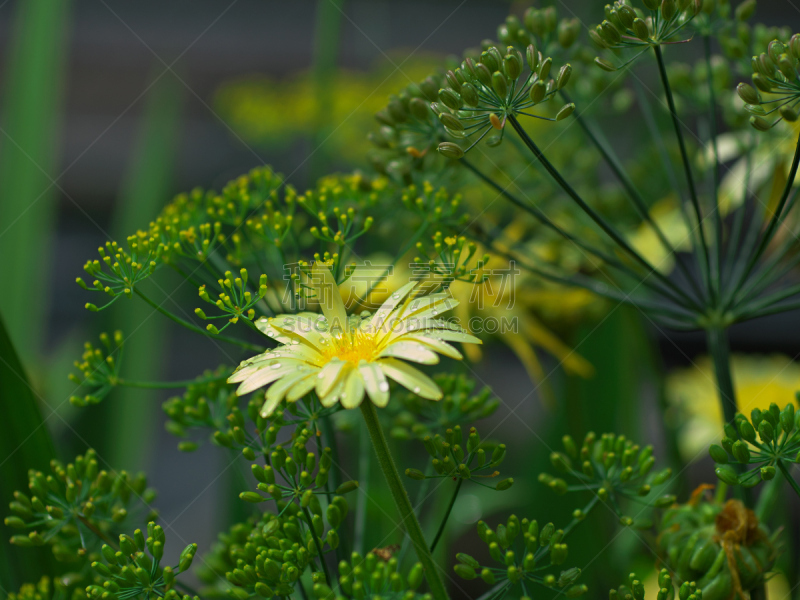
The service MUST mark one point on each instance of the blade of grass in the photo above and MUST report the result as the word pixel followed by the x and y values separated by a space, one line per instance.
pixel 28 158
pixel 25 443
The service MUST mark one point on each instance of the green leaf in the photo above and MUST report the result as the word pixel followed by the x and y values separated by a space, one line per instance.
pixel 28 165
pixel 25 443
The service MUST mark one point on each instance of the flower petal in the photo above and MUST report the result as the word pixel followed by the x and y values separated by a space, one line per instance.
pixel 328 375
pixel 302 387
pixel 375 383
pixel 435 344
pixel 329 297
pixel 410 350
pixel 353 392
pixel 265 375
pixel 391 303
pixel 410 378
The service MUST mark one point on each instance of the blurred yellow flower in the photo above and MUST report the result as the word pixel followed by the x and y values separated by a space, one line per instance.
pixel 692 395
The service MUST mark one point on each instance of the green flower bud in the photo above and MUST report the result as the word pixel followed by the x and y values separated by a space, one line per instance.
pixel 604 64
pixel 787 418
pixel 538 91
pixel 420 109
pixel 665 501
pixel 253 497
pixel 597 39
pixel 346 487
pixel 668 9
pixel 467 560
pixel 186 558
pixel 741 452
pixel 499 84
pixel 450 99
pixel 727 474
pixel 504 484
pixel 788 113
pixel 610 33
pixel 470 94
pixel 746 431
pixel 563 76
pixel 415 576
pixel 565 111
pixel 451 122
pixel 465 571
pixel 544 68
pixel 718 454
pixel 786 66
pixel 762 83
pixel 568 30
pixel 512 66
pixel 532 56
pixel 766 432
pixel 640 29
pixel 450 150
pixel 748 93
pixel 767 473
pixel 415 474
pixel 576 590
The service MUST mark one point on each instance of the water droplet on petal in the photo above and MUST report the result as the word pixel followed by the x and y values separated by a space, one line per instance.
pixel 383 386
pixel 320 376
pixel 416 390
pixel 276 365
pixel 396 296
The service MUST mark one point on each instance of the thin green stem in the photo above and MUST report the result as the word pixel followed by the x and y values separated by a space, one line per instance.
pixel 789 477
pixel 191 327
pixel 446 514
pixel 638 201
pixel 719 349
pixel 670 288
pixel 662 69
pixel 775 220
pixel 318 545
pixel 407 516
pixel 712 106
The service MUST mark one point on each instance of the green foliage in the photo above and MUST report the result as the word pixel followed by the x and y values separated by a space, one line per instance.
pixel 59 588
pixel 770 440
pixel 613 468
pixel 524 550
pixel 134 570
pixel 723 548
pixel 25 443
pixel 688 590
pixel 75 507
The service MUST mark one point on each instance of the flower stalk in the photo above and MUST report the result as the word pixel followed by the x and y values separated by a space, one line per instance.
pixel 407 515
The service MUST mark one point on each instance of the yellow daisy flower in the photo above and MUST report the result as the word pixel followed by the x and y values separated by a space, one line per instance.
pixel 342 358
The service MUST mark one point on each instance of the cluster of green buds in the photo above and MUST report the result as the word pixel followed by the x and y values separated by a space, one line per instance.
pixel 338 204
pixel 375 576
pixel 268 555
pixel 59 588
pixel 235 300
pixel 300 484
pixel 481 96
pixel 525 550
pixel 459 405
pixel 628 27
pixel 119 271
pixel 635 590
pixel 75 506
pixel 409 131
pixel 448 259
pixel 775 73
pixel 539 24
pixel 762 445
pixel 721 547
pixel 206 403
pixel 133 569
pixel 613 468
pixel 451 459
pixel 99 369
pixel 434 205
pixel 733 33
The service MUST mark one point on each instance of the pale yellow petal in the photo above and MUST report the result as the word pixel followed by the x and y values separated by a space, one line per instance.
pixel 263 376
pixel 302 387
pixel 410 350
pixel 329 298
pixel 410 378
pixel 353 392
pixel 375 383
pixel 328 376
pixel 436 344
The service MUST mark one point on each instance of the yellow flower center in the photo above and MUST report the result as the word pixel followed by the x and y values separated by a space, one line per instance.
pixel 353 347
